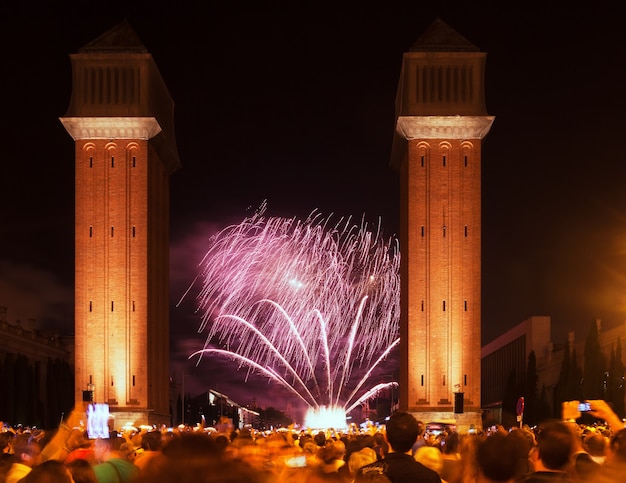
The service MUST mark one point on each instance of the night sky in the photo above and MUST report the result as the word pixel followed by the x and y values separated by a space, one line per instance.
pixel 294 104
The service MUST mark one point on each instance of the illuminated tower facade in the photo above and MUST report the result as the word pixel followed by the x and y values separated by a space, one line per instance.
pixel 441 120
pixel 121 119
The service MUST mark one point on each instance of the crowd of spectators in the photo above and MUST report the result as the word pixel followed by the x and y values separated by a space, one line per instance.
pixel 401 452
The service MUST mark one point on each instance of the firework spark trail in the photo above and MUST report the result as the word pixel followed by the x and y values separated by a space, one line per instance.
pixel 371 393
pixel 324 296
pixel 351 338
pixel 324 339
pixel 278 355
pixel 371 369
pixel 249 362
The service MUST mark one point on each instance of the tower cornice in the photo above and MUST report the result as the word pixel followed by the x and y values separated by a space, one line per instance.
pixel 444 127
pixel 111 127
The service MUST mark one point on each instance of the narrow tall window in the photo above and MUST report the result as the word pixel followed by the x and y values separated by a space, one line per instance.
pixel 444 379
pixel 444 161
pixel 90 231
pixel 465 379
pixel 444 305
pixel 90 379
pixel 465 305
pixel 133 379
pixel 444 231
pixel 91 161
pixel 465 230
pixel 422 161
pixel 134 161
pixel 111 380
pixel 90 306
pixel 422 379
pixel 111 305
pixel 133 232
pixel 133 305
pixel 422 231
pixel 113 161
pixel 111 232
pixel 465 160
pixel 422 306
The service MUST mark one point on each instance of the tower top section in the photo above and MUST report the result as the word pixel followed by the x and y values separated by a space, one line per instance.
pixel 441 91
pixel 118 93
pixel 442 75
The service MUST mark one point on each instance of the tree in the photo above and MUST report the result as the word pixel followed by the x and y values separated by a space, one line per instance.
pixel 29 399
pixel 3 402
pixel 568 387
pixel 9 387
pixel 22 394
pixel 179 410
pixel 608 377
pixel 509 400
pixel 52 388
pixel 593 370
pixel 543 408
pixel 530 390
pixel 561 392
pixel 574 384
pixel 617 380
pixel 273 418
pixel 60 391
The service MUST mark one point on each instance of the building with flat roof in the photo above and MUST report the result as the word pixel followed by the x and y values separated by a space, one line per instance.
pixel 504 366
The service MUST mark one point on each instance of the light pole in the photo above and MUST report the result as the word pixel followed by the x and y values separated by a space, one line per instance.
pixel 390 392
pixel 182 406
pixel 388 378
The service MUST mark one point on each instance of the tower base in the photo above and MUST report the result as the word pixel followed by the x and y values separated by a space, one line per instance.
pixel 137 417
pixel 467 422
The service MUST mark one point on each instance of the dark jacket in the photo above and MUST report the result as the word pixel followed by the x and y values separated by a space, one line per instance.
pixel 547 477
pixel 402 468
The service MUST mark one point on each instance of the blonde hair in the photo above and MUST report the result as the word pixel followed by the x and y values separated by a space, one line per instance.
pixel 430 457
pixel 358 459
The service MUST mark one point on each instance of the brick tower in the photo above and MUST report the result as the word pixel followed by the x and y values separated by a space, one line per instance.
pixel 121 119
pixel 441 120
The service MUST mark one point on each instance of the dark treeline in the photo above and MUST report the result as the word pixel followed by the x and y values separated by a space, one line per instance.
pixel 34 395
pixel 600 377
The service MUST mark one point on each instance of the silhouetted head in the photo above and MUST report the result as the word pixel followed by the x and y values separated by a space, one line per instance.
pixel 499 457
pixel 401 430
pixel 555 445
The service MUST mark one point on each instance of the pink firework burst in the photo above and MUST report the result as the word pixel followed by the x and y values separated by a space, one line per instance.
pixel 303 303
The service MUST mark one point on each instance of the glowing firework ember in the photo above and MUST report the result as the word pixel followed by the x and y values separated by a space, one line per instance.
pixel 304 304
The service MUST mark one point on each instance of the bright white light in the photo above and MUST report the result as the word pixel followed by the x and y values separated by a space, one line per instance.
pixel 296 283
pixel 98 420
pixel 326 417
